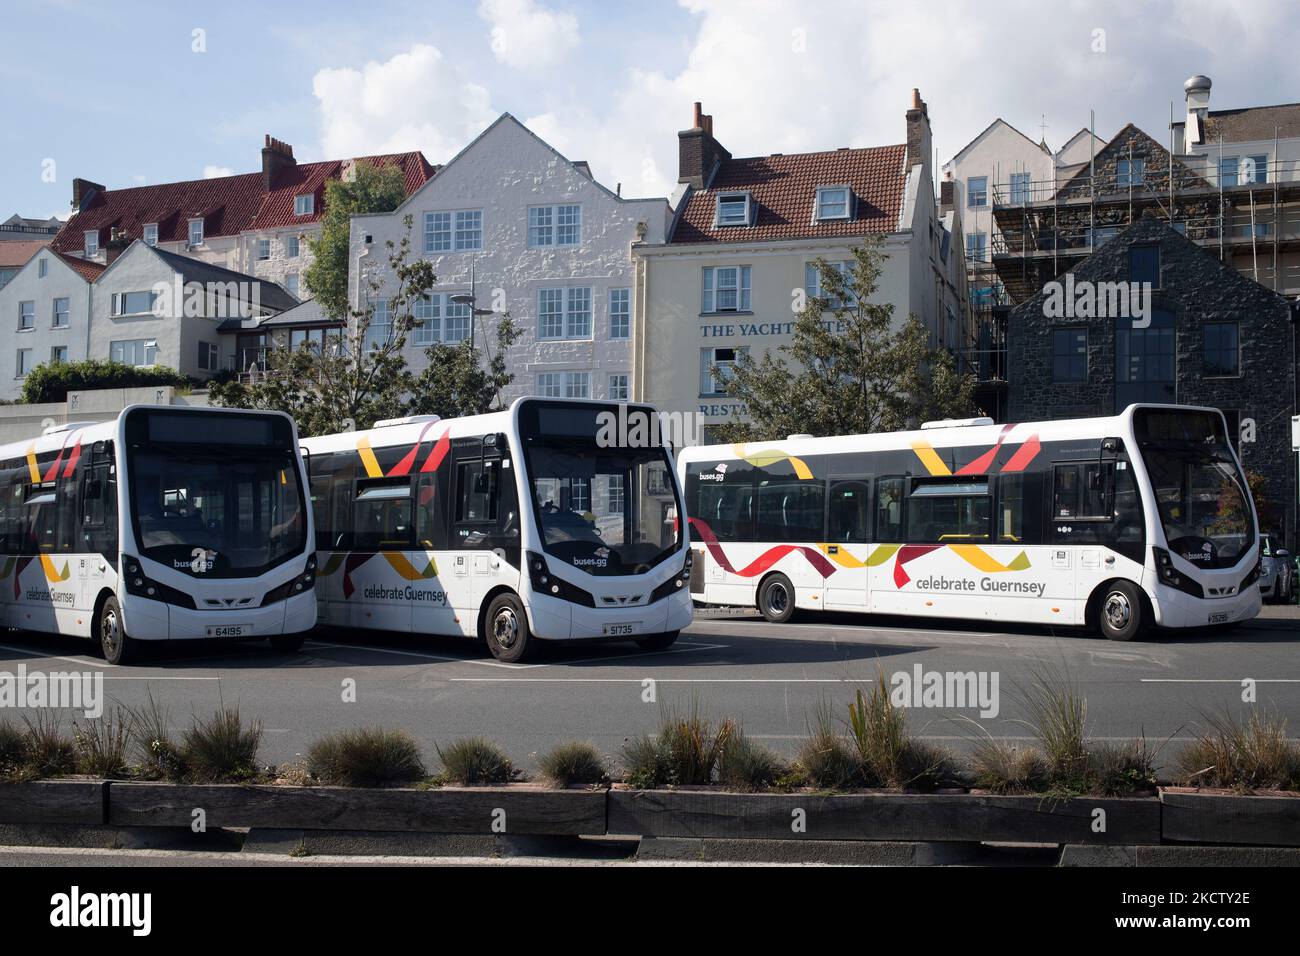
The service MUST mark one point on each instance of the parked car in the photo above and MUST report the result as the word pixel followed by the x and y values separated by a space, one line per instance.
pixel 1277 574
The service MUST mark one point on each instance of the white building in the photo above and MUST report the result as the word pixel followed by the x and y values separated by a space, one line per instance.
pixel 44 316
pixel 533 234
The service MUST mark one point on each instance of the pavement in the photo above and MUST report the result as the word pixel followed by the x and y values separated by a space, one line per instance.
pixel 769 677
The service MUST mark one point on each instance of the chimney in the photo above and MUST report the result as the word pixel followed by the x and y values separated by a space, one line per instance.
pixel 276 155
pixel 698 153
pixel 1197 91
pixel 919 148
pixel 82 190
pixel 118 240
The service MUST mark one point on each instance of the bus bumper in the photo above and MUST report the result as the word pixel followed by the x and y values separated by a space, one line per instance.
pixel 1174 608
pixel 552 619
pixel 147 620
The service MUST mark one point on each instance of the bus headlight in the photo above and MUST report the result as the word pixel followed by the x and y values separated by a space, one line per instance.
pixel 678 581
pixel 1171 576
pixel 137 583
pixel 543 582
pixel 295 586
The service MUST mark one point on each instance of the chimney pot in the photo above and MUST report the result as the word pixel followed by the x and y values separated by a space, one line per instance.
pixel 699 117
pixel 916 98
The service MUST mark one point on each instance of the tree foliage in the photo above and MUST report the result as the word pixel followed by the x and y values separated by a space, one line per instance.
pixel 375 189
pixel 457 382
pixel 847 369
pixel 52 382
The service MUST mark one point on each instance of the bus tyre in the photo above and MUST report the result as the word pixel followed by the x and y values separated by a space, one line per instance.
pixel 1121 615
pixel 657 642
pixel 287 643
pixel 113 642
pixel 776 599
pixel 506 631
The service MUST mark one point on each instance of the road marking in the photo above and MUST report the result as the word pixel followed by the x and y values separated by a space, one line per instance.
pixel 1218 680
pixel 682 648
pixel 55 657
pixel 876 629
pixel 147 677
pixel 664 680
pixel 423 655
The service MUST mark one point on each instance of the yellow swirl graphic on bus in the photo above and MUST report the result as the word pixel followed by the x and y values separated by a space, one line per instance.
pixel 972 554
pixel 761 459
pixel 52 573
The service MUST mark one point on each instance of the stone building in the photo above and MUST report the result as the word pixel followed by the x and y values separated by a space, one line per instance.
pixel 1215 338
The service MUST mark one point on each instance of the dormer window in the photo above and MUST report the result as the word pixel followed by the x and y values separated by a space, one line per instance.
pixel 91 246
pixel 833 202
pixel 304 205
pixel 196 232
pixel 733 209
pixel 151 233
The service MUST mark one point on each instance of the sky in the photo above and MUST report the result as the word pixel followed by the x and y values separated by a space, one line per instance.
pixel 127 93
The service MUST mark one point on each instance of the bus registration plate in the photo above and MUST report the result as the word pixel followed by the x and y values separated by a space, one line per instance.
pixel 229 630
pixel 1219 617
pixel 620 630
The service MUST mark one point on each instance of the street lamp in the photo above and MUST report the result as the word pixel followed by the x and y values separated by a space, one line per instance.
pixel 467 298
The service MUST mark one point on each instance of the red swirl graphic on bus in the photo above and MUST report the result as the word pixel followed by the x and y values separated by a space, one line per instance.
pixel 764 560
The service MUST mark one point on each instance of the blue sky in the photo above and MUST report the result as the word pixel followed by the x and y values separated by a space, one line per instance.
pixel 113 92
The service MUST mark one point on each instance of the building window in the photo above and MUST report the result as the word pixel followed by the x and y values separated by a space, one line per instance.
pixel 439 321
pixel 833 202
pixel 620 313
pixel 724 359
pixel 58 354
pixel 977 191
pixel 618 387
pixel 1020 188
pixel 564 313
pixel 732 210
pixel 726 289
pixel 1145 361
pixel 133 303
pixel 304 205
pixel 1222 349
pixel 42 268
pixel 812 283
pixel 196 232
pixel 151 233
pixel 1144 265
pixel 61 313
pixel 380 329
pixel 437 232
pixel 977 246
pixel 209 357
pixel 291 247
pixel 291 284
pixel 139 352
pixel 24 363
pixel 1129 173
pixel 26 316
pixel 1069 355
pixel 1099 237
pixel 555 225
pixel 549 385
pixel 577 385
pixel 90 246
pixel 615 503
pixel 263 250
pixel 469 230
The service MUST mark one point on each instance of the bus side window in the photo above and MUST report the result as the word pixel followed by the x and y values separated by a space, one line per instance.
pixel 1065 492
pixel 849 518
pixel 322 513
pixel 1020 518
pixel 382 515
pixel 889 510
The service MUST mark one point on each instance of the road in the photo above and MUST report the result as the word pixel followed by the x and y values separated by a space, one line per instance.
pixel 769 677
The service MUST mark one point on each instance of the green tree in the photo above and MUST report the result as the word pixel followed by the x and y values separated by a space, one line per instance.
pixel 361 376
pixel 457 382
pixel 375 189
pixel 52 382
pixel 864 376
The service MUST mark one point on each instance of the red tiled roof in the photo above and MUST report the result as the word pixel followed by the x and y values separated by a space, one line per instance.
pixel 229 205
pixel 87 270
pixel 784 189
pixel 14 253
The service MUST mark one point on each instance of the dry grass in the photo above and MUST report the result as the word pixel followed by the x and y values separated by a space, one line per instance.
pixel 366 757
pixel 1253 754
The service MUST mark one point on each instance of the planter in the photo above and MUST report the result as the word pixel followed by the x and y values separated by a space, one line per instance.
pixel 1216 816
pixel 53 801
pixel 883 816
pixel 528 809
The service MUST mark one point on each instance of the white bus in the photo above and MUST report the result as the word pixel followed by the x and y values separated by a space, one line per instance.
pixel 514 526
pixel 166 523
pixel 1113 523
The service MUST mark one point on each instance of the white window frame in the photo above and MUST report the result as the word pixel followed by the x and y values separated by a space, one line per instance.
pixel 118 305
pixel 972 192
pixel 819 210
pixel 145 349
pixel 567 315
pixel 19 362
pixel 90 242
pixel 1021 191
pixel 382 306
pixel 977 251
pixel 432 313
pixel 292 247
pixel 620 314
pixel 620 387
pixel 27 316
pixel 550 385
pixel 58 354
pixel 54 312
pixel 304 204
pixel 151 233
pixel 42 267
pixel 291 284
pixel 555 225
pixel 263 244
pixel 710 385
pixel 437 232
pixel 813 280
pixel 214 356
pixel 711 287
pixel 195 236
pixel 730 197
pixel 461 233
pixel 571 384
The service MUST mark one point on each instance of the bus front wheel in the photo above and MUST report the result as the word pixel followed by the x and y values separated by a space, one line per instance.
pixel 1121 613
pixel 113 642
pixel 776 599
pixel 657 642
pixel 506 629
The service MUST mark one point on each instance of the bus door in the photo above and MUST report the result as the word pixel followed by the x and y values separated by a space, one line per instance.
pixel 848 531
pixel 484 524
pixel 1083 520
pixel 382 528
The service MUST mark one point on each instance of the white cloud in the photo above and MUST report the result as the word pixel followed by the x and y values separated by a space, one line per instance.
pixel 215 172
pixel 527 36
pixel 415 100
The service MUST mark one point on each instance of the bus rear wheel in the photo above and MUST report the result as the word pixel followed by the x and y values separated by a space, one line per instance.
pixel 1121 613
pixel 505 628
pixel 776 599
pixel 116 647
pixel 657 642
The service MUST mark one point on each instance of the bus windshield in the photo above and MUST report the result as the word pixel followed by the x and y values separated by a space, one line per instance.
pixel 1204 505
pixel 214 509
pixel 605 510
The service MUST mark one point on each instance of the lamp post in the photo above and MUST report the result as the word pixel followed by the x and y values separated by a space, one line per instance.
pixel 467 298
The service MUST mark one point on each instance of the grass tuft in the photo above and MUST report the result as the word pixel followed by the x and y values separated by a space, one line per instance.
pixel 747 766
pixel 1250 755
pixel 1002 768
pixel 155 748
pixel 825 759
pixel 47 750
pixel 221 749
pixel 683 753
pixel 573 763
pixel 13 748
pixel 102 744
pixel 475 761
pixel 1059 718
pixel 366 757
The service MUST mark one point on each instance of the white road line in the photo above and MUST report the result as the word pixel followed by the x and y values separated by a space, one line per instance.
pixel 876 629
pixel 55 657
pixel 681 648
pixel 1217 680
pixel 423 655
pixel 147 677
pixel 663 680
